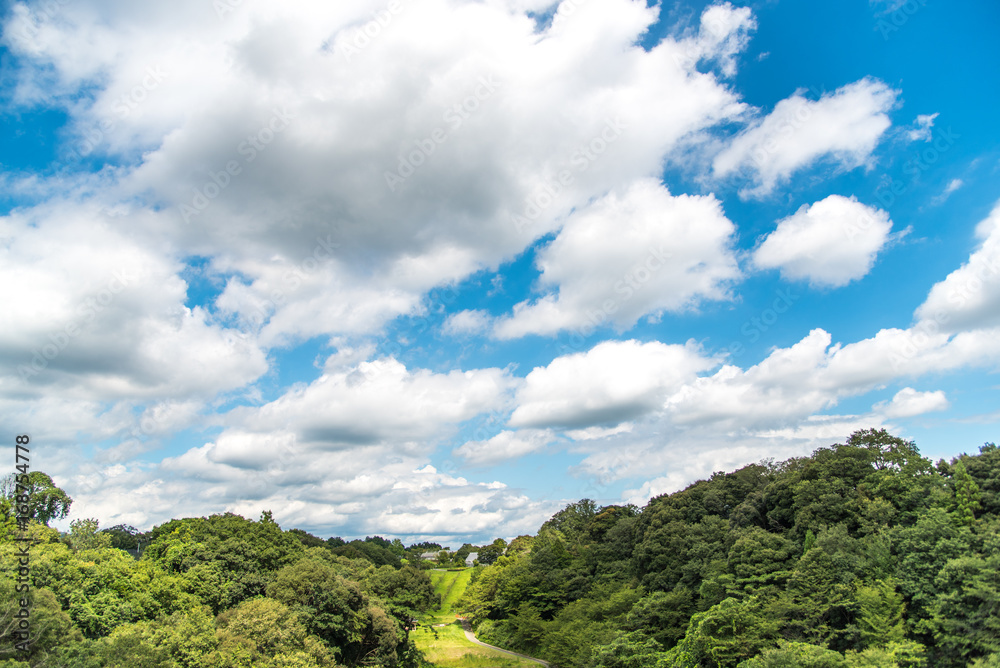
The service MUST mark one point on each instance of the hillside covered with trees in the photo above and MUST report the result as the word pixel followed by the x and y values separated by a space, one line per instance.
pixel 863 554
pixel 217 592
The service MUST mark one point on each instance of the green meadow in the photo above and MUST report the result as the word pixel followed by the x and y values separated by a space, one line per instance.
pixel 440 636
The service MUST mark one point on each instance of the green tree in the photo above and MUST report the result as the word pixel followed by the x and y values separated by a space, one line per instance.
pixel 880 613
pixel 725 635
pixel 330 606
pixel 248 553
pixel 796 655
pixel 41 498
pixel 125 537
pixel 84 535
pixel 273 635
pixel 965 614
pixel 887 451
pixel 49 626
pixel 967 497
pixel 488 554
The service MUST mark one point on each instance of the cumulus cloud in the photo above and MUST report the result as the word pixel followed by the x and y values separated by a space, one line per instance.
pixel 909 402
pixel 99 315
pixel 323 183
pixel 504 446
pixel 829 243
pixel 724 34
pixel 413 147
pixel 969 297
pixel 734 415
pixel 844 127
pixel 467 322
pixel 813 375
pixel 629 255
pixel 611 383
pixel 374 402
pixel 322 453
pixel 361 493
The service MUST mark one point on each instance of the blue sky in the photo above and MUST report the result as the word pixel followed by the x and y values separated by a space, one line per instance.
pixel 434 268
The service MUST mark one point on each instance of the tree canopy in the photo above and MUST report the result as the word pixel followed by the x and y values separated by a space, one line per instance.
pixel 862 554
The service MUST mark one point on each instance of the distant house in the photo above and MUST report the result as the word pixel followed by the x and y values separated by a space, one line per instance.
pixel 471 558
pixel 429 556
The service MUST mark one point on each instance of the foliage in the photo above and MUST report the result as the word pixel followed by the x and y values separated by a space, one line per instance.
pixel 43 500
pixel 862 554
pixel 195 598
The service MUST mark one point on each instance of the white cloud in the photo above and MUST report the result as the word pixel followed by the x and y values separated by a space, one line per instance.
pixel 909 402
pixel 953 185
pixel 724 33
pixel 611 383
pixel 279 139
pixel 266 156
pixel 592 433
pixel 371 403
pixel 921 130
pixel 259 144
pixel 844 126
pixel 467 322
pixel 97 314
pixel 627 255
pixel 357 494
pixel 504 446
pixel 668 394
pixel 829 243
pixel 347 450
pixel 969 297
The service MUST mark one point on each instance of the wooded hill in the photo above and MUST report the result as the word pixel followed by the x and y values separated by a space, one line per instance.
pixel 215 592
pixel 863 554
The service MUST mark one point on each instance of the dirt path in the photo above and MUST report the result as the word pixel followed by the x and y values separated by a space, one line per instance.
pixel 472 638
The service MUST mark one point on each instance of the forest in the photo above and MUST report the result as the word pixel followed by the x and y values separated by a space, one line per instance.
pixel 863 554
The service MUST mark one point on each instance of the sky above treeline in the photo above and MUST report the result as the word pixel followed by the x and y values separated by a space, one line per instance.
pixel 432 269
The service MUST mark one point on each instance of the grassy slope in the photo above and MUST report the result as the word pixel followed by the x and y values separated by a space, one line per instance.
pixel 446 646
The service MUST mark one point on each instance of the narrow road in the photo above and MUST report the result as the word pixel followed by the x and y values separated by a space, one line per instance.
pixel 472 638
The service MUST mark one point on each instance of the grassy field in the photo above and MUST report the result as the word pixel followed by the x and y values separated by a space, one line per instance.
pixel 446 646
